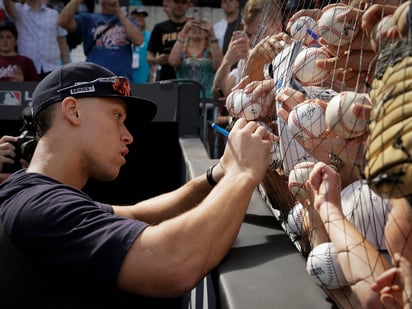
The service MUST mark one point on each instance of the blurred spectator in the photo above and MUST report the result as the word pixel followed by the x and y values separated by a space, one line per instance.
pixel 196 54
pixel 8 156
pixel 106 36
pixel 73 40
pixel 141 68
pixel 231 22
pixel 135 3
pixel 40 37
pixel 164 35
pixel 250 61
pixel 14 67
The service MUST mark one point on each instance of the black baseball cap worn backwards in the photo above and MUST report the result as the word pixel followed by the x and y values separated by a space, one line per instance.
pixel 87 79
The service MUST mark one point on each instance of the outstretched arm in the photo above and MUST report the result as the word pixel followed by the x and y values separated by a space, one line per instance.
pixel 171 257
pixel 360 261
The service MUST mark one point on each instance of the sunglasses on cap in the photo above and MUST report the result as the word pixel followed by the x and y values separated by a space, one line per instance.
pixel 120 85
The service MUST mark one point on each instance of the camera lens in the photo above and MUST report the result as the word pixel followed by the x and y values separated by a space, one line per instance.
pixel 27 149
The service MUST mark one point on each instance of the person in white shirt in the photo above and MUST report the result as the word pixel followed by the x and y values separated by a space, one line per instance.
pixel 40 37
pixel 231 22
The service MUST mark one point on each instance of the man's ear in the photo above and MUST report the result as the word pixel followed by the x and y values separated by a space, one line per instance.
pixel 70 109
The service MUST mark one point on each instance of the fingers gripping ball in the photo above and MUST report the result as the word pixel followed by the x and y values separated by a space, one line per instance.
pixel 298 30
pixel 240 105
pixel 334 32
pixel 307 120
pixel 295 219
pixel 275 154
pixel 305 68
pixel 323 267
pixel 298 177
pixel 378 37
pixel 340 118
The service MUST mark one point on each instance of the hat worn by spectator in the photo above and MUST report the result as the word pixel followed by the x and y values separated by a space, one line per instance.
pixel 139 12
pixel 86 79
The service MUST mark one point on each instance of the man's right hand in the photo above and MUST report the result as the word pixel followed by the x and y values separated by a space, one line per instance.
pixel 247 150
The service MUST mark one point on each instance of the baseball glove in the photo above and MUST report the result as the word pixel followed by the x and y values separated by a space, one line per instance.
pixel 388 156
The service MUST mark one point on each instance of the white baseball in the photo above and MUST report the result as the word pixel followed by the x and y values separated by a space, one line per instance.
pixel 305 68
pixel 239 104
pixel 334 32
pixel 307 120
pixel 298 177
pixel 339 115
pixel 298 29
pixel 295 217
pixel 378 37
pixel 323 267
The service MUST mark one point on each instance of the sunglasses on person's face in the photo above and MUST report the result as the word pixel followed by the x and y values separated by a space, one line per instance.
pixel 120 84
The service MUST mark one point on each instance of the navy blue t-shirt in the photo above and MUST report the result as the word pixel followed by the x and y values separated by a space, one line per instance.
pixel 63 233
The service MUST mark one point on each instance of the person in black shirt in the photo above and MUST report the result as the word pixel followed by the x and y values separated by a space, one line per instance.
pixel 163 37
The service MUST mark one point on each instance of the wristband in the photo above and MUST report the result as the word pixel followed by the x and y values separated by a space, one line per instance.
pixel 209 176
pixel 181 40
pixel 213 41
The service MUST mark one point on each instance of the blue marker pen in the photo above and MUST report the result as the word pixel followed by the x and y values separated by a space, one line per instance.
pixel 315 37
pixel 220 129
pixel 312 34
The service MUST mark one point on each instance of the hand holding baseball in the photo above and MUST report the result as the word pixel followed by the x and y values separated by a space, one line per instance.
pixel 312 13
pixel 372 16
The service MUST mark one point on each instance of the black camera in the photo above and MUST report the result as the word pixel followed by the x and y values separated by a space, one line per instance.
pixel 25 145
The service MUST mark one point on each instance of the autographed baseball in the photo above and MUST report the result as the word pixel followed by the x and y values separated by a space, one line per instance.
pixel 305 68
pixel 239 104
pixel 295 219
pixel 323 267
pixel 339 115
pixel 298 30
pixel 307 120
pixel 334 32
pixel 297 178
pixel 378 37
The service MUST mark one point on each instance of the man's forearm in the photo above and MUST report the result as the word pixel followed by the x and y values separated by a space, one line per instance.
pixel 64 49
pixel 66 17
pixel 10 8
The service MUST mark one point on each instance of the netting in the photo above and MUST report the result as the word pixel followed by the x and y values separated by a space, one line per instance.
pixel 335 89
